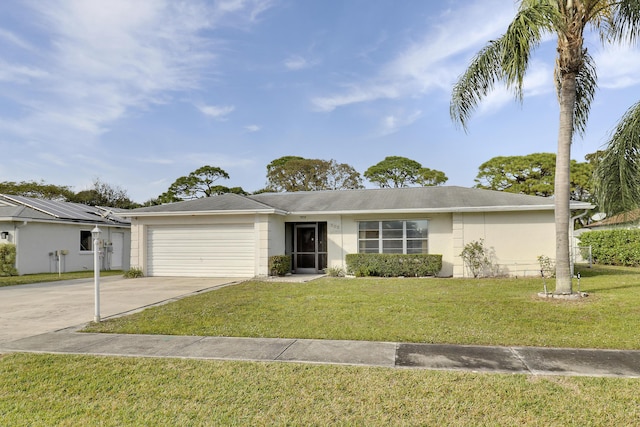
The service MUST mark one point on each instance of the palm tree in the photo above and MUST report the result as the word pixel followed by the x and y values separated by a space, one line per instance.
pixel 506 60
pixel 617 170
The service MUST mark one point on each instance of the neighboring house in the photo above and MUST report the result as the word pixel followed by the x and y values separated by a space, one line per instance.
pixel 52 236
pixel 234 236
pixel 629 219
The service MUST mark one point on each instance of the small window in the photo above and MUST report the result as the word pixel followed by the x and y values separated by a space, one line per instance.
pixel 86 242
pixel 393 237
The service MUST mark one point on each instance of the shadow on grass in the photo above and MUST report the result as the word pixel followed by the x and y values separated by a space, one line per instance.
pixel 605 270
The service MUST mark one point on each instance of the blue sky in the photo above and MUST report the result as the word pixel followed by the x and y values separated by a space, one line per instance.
pixel 139 93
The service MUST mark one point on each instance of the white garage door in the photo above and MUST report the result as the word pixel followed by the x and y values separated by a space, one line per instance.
pixel 220 250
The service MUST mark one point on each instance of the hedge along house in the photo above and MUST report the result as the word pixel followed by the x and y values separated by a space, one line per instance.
pixel 234 236
pixel 52 236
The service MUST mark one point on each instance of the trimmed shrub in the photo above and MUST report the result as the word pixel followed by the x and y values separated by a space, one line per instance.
pixel 279 265
pixel 614 247
pixel 393 265
pixel 133 273
pixel 8 260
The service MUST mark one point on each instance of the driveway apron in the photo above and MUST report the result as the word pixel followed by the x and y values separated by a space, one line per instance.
pixel 28 310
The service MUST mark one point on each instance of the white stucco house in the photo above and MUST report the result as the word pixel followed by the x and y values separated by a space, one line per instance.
pixel 234 236
pixel 52 236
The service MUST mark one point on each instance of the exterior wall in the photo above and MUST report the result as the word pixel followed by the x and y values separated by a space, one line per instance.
pixel 516 239
pixel 261 224
pixel 275 244
pixel 37 242
pixel 440 235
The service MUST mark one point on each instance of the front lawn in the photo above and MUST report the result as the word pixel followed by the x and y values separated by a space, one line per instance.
pixel 47 390
pixel 51 277
pixel 459 311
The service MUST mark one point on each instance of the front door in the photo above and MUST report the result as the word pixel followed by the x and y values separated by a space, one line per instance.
pixel 309 248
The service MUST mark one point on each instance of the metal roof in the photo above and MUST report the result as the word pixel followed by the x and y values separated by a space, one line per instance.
pixel 413 199
pixel 64 211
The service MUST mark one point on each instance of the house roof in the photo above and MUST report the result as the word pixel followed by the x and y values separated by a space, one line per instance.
pixel 622 218
pixel 223 203
pixel 20 208
pixel 413 199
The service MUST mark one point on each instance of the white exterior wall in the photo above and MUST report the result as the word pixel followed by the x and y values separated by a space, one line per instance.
pixel 516 239
pixel 35 241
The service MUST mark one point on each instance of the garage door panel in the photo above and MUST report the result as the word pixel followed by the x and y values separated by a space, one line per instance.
pixel 214 250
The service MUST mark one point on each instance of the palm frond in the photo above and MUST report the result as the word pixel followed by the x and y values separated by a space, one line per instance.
pixel 624 22
pixel 534 19
pixel 618 172
pixel 503 60
pixel 476 82
pixel 586 85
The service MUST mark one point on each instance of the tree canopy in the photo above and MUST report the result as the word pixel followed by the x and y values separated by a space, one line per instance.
pixel 198 184
pixel 100 194
pixel 505 61
pixel 39 190
pixel 397 171
pixel 104 194
pixel 532 174
pixel 294 173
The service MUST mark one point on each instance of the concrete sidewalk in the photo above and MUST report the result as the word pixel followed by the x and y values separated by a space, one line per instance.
pixel 514 360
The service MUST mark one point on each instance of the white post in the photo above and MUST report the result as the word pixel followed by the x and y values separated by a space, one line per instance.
pixel 95 233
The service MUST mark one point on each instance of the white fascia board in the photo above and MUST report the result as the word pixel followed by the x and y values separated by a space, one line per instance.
pixel 203 213
pixel 443 210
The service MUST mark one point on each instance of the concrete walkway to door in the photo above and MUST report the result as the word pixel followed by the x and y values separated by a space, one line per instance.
pixel 34 309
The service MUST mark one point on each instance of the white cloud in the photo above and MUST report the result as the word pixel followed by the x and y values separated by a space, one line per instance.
pixel 216 111
pixel 20 73
pixel 105 59
pixel 393 122
pixel 297 62
pixel 537 81
pixel 618 66
pixel 252 128
pixel 432 63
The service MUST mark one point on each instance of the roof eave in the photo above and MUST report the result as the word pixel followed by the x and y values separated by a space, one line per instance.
pixel 205 213
pixel 439 210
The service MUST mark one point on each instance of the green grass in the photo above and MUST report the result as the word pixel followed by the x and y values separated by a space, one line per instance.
pixel 459 311
pixel 51 277
pixel 47 390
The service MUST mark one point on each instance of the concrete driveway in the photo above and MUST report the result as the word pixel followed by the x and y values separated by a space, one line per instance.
pixel 28 310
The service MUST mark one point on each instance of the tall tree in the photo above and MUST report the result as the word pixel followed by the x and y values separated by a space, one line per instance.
pixel 506 59
pixel 198 184
pixel 397 171
pixel 532 174
pixel 104 194
pixel 294 173
pixel 617 172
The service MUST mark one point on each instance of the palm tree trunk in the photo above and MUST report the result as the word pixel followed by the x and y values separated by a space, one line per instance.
pixel 562 187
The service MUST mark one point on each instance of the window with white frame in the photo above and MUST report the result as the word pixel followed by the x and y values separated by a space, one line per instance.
pixel 393 237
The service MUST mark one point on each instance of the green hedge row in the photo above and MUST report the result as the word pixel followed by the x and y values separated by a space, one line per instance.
pixel 393 265
pixel 613 247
